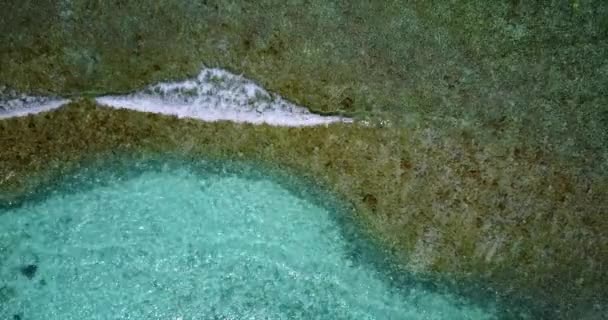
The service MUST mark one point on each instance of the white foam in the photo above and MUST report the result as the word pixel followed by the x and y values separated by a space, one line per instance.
pixel 216 95
pixel 24 105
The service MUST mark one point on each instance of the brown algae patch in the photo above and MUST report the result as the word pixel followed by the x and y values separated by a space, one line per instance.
pixel 512 216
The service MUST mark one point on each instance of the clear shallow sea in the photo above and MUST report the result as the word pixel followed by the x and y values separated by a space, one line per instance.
pixel 178 243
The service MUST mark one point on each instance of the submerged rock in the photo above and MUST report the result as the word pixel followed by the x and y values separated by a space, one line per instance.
pixel 29 271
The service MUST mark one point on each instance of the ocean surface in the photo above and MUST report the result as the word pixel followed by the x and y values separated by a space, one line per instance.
pixel 520 81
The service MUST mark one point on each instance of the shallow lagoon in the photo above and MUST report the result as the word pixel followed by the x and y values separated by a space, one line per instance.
pixel 174 242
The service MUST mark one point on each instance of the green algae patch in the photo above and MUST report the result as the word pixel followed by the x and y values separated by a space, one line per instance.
pixel 442 203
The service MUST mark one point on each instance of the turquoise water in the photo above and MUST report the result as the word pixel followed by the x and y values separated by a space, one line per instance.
pixel 176 243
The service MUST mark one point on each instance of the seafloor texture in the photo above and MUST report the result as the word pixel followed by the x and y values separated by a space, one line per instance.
pixel 170 242
pixel 495 162
pixel 508 221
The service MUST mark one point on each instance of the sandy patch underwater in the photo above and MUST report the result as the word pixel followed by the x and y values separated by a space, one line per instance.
pixel 171 242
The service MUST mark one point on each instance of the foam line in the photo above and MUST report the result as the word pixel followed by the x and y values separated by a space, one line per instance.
pixel 24 105
pixel 216 95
